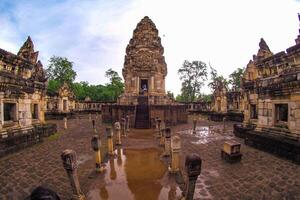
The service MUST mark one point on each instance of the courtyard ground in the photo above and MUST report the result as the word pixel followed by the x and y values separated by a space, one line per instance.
pixel 137 171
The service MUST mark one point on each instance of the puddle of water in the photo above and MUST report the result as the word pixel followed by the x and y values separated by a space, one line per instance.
pixel 133 174
pixel 206 134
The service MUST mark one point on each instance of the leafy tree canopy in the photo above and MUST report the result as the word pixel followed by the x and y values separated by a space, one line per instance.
pixel 170 94
pixel 192 74
pixel 216 79
pixel 236 77
pixel 61 69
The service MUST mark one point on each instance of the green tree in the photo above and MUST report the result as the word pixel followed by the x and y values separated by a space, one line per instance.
pixel 61 70
pixel 205 97
pixel 236 77
pixel 192 74
pixel 116 86
pixel 53 85
pixel 216 79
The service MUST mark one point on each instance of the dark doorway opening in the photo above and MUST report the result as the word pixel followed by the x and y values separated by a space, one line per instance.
pixel 144 85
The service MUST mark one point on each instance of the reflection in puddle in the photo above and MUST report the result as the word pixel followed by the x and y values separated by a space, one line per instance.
pixel 206 134
pixel 133 174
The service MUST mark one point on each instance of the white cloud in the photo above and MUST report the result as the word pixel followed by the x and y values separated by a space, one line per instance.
pixel 94 34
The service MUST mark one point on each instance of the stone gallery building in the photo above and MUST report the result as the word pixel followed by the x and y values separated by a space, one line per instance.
pixel 60 103
pixel 271 98
pixel 22 98
pixel 226 103
pixel 144 73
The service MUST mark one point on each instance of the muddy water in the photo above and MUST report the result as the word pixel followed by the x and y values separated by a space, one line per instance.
pixel 133 174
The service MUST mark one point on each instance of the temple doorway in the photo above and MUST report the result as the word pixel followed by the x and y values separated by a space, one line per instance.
pixel 144 85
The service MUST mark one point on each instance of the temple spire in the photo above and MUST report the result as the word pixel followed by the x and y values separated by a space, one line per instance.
pixel 27 51
pixel 263 51
pixel 297 40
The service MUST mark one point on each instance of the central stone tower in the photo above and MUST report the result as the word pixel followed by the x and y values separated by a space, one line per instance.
pixel 144 68
pixel 144 72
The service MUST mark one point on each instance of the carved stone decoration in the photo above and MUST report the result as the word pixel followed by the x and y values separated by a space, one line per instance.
pixel 38 73
pixel 27 51
pixel 144 60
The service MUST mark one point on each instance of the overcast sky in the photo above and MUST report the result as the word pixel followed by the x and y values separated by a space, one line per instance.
pixel 94 34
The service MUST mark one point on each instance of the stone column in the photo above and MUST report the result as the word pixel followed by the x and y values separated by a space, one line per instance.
pixel 167 142
pixel 193 170
pixel 65 123
pixel 175 152
pixel 152 84
pixel 69 159
pixel 127 123
pixel 118 133
pixel 110 143
pixel 159 127
pixel 162 137
pixel 123 126
pixel 96 145
pixel 42 110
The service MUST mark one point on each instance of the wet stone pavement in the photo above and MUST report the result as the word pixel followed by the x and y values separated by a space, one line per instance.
pixel 137 170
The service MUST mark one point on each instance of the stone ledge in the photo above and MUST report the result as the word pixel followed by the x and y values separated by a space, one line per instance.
pixel 275 144
pixel 21 139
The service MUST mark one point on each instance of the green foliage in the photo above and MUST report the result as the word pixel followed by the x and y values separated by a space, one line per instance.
pixel 116 86
pixel 236 77
pixel 109 92
pixel 179 98
pixel 53 85
pixel 170 94
pixel 205 97
pixel 61 69
pixel 216 79
pixel 192 74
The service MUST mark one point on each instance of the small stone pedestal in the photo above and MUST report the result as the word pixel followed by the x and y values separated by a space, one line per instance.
pixel 231 151
pixel 65 123
pixel 96 145
pixel 110 143
pixel 118 133
pixel 167 142
pixel 175 153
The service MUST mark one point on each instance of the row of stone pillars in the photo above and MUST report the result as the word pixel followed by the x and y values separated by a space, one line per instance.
pixel 69 156
pixel 172 149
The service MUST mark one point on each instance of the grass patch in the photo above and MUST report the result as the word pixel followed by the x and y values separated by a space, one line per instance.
pixel 55 136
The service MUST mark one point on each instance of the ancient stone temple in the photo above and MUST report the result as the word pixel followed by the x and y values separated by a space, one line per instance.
pixel 226 103
pixel 271 97
pixel 22 97
pixel 145 68
pixel 144 73
pixel 60 103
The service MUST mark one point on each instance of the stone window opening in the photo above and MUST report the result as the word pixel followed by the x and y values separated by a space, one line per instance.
pixel 253 111
pixel 10 112
pixel 35 111
pixel 281 113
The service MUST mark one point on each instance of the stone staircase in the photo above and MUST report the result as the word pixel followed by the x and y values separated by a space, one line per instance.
pixel 142 117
